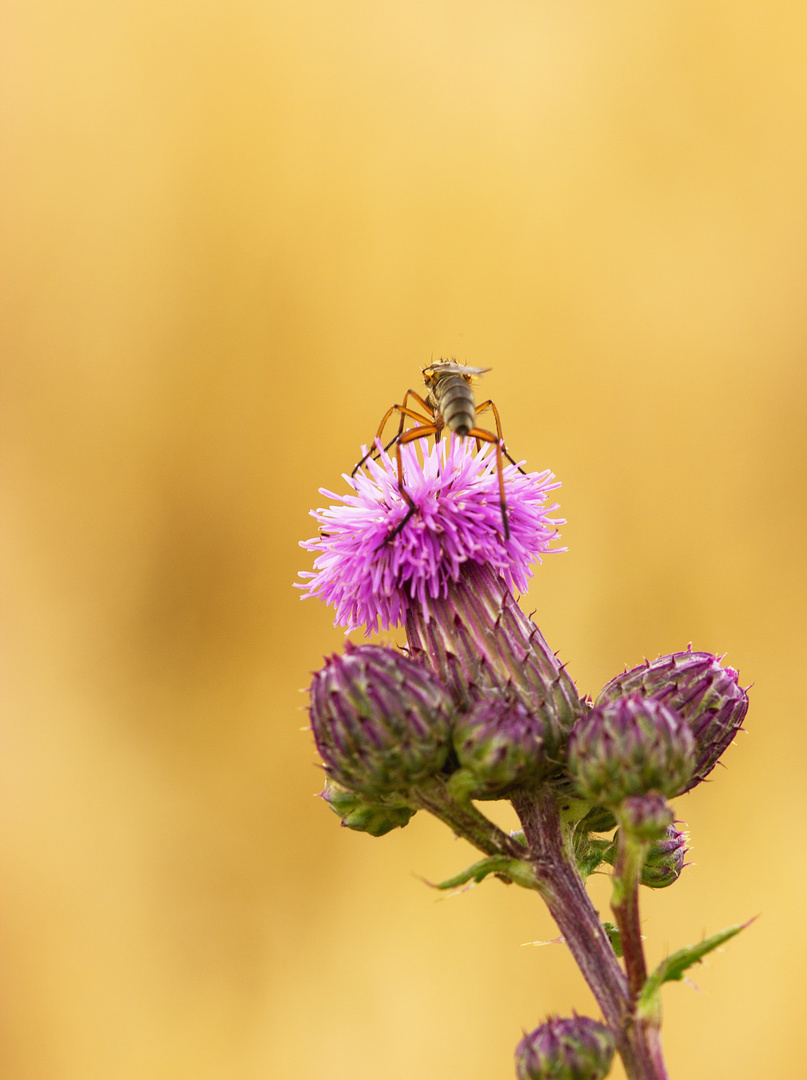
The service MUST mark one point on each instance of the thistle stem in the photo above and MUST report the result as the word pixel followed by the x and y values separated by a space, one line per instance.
pixel 570 906
pixel 465 820
pixel 564 893
pixel 628 864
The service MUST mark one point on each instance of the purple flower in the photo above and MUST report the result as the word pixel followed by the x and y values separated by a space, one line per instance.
pixel 371 576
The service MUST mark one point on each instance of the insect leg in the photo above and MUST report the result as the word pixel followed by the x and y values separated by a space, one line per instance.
pixel 489 405
pixel 404 413
pixel 407 437
pixel 487 436
pixel 423 404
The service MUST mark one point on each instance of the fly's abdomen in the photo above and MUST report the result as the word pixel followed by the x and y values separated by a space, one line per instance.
pixel 454 399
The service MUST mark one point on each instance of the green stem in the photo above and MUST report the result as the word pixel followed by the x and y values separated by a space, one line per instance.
pixel 630 857
pixel 466 820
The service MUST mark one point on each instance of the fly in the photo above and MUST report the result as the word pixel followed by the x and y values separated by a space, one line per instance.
pixel 449 404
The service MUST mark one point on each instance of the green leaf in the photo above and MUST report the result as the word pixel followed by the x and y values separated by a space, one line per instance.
pixel 510 870
pixel 591 854
pixel 673 967
pixel 614 936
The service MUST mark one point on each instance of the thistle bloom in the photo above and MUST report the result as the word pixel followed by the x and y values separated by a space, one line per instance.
pixel 479 707
pixel 707 696
pixel 381 722
pixel 628 747
pixel 372 577
pixel 565 1048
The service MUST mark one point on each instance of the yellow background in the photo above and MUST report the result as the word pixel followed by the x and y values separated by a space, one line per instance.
pixel 233 232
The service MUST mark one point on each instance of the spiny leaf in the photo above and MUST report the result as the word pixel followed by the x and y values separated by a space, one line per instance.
pixel 510 870
pixel 672 968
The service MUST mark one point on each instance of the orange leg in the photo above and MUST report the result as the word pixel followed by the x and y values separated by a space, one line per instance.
pixel 428 420
pixel 407 437
pixel 481 435
pixel 423 404
pixel 489 405
pixel 404 411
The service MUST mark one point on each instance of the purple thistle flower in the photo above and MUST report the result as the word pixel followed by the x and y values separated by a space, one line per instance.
pixel 372 576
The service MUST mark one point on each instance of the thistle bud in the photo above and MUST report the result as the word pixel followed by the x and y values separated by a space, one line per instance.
pixel 665 860
pixel 629 747
pixel 381 722
pixel 499 744
pixel 646 817
pixel 364 815
pixel 706 695
pixel 565 1048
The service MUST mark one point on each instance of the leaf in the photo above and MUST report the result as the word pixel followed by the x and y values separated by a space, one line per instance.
pixel 614 936
pixel 672 968
pixel 510 870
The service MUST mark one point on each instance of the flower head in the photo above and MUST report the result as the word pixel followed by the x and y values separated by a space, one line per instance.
pixel 374 816
pixel 498 743
pixel 371 574
pixel 665 859
pixel 630 746
pixel 565 1048
pixel 381 722
pixel 705 693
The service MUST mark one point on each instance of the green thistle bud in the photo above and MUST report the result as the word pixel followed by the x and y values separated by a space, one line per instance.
pixel 565 1048
pixel 706 695
pixel 665 860
pixel 645 817
pixel 499 744
pixel 381 722
pixel 629 747
pixel 364 815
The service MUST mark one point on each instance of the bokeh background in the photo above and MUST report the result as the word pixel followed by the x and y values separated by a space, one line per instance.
pixel 233 232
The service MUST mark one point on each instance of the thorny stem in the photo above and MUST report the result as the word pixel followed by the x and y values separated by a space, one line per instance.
pixel 570 906
pixel 476 636
pixel 564 893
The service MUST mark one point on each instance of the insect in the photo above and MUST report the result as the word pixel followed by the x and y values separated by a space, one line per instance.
pixel 449 403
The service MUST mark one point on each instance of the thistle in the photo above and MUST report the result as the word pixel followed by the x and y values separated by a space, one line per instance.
pixel 664 862
pixel 499 744
pixel 374 816
pixel 479 707
pixel 565 1048
pixel 630 746
pixel 705 694
pixel 374 583
pixel 381 722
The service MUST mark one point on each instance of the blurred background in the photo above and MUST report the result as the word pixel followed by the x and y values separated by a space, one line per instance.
pixel 233 233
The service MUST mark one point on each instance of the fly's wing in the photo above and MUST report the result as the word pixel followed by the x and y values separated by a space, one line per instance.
pixel 446 367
